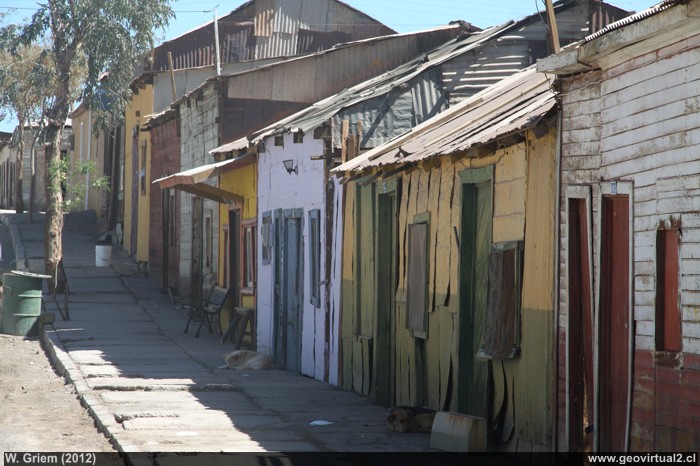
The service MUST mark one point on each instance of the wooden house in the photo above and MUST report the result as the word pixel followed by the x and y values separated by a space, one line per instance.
pixel 448 264
pixel 257 30
pixel 628 326
pixel 301 324
pixel 225 108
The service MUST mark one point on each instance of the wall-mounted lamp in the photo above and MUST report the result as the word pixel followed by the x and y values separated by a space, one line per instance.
pixel 289 166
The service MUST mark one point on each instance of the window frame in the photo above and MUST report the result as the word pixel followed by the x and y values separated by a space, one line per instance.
pixel 421 221
pixel 665 317
pixel 267 237
pixel 248 256
pixel 496 311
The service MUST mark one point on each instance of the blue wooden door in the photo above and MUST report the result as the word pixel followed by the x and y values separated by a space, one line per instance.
pixel 289 284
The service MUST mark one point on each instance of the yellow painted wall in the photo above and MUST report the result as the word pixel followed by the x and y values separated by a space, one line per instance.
pixel 524 194
pixel 140 106
pixel 244 183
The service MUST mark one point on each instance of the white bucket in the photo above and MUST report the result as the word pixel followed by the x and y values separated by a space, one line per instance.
pixel 103 255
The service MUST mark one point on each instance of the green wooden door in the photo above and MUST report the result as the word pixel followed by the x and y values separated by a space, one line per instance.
pixel 385 383
pixel 475 242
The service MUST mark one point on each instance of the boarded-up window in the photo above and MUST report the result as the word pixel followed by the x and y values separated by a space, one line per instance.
pixel 417 280
pixel 315 257
pixel 668 316
pixel 501 338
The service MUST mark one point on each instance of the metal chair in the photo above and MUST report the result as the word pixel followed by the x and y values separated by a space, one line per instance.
pixel 209 311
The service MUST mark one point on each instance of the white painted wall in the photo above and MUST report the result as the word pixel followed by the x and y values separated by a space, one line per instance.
pixel 305 190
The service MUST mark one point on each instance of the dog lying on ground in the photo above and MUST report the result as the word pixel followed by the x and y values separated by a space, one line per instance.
pixel 247 360
pixel 410 419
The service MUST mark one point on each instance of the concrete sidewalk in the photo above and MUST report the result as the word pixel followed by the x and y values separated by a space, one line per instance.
pixel 151 387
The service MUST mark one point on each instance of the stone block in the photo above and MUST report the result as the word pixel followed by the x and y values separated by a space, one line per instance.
pixel 458 433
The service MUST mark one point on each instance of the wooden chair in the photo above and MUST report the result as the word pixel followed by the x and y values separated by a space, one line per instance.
pixel 238 328
pixel 209 312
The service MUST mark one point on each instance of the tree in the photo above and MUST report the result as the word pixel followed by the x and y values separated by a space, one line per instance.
pixel 18 80
pixel 111 35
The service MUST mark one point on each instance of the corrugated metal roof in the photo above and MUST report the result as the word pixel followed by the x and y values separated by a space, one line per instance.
pixel 516 103
pixel 315 115
pixel 654 10
pixel 311 117
pixel 261 29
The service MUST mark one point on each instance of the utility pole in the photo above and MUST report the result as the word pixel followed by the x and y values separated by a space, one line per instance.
pixel 216 43
pixel 553 27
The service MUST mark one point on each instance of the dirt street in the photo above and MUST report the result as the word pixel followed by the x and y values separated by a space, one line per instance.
pixel 38 411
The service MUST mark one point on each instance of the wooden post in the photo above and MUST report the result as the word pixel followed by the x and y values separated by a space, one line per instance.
pixel 344 131
pixel 553 27
pixel 172 75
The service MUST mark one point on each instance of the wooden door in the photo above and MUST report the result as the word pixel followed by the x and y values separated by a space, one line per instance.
pixel 614 351
pixel 474 374
pixel 580 326
pixel 196 253
pixel 289 282
pixel 234 256
pixel 385 370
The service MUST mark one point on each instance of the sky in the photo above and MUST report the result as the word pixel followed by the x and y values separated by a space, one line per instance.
pixel 400 15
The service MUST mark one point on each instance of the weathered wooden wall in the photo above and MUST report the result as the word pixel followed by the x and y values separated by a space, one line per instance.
pixel 165 160
pixel 524 209
pixel 199 133
pixel 638 122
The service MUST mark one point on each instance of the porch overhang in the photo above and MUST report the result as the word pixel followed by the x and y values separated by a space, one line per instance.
pixel 194 180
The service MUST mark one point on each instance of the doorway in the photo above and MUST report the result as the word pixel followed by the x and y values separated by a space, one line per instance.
pixel 474 377
pixel 614 323
pixel 580 326
pixel 289 283
pixel 385 348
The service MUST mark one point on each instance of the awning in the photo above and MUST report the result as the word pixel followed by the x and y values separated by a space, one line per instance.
pixel 194 180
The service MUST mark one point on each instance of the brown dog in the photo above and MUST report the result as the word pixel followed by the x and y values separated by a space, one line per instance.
pixel 410 419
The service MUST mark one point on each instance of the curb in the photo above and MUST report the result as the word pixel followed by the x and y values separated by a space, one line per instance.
pixel 64 366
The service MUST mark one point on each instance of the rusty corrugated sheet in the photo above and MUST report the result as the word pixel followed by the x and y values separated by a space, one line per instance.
pixel 311 78
pixel 261 29
pixel 514 104
pixel 378 87
pixel 654 10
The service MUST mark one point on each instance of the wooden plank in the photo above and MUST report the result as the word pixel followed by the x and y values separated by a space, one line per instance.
pixel 447 349
pixel 445 234
pixel 457 242
pixel 538 285
pixel 344 131
pixel 403 201
pixel 366 256
pixel 357 367
pixel 434 209
pixel 366 366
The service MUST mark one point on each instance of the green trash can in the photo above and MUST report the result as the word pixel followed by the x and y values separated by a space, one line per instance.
pixel 21 303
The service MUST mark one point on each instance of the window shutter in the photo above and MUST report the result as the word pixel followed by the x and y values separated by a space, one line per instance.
pixel 501 337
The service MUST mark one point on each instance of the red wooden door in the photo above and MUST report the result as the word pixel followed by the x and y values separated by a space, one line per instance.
pixel 614 356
